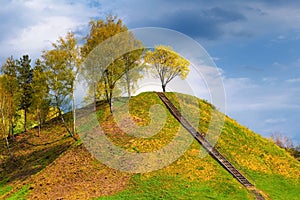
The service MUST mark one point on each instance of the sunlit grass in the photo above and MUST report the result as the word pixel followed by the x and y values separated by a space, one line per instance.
pixel 21 194
pixel 196 176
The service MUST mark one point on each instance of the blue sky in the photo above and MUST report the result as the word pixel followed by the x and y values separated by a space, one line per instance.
pixel 254 43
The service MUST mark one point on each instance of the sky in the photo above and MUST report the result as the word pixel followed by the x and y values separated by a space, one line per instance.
pixel 254 43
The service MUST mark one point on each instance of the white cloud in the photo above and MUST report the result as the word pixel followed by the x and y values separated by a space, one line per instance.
pixel 237 93
pixel 239 84
pixel 244 94
pixel 38 37
pixel 293 80
pixel 36 24
pixel 269 79
pixel 215 58
pixel 275 120
pixel 281 37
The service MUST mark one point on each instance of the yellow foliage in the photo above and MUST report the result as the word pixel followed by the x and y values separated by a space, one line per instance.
pixel 167 63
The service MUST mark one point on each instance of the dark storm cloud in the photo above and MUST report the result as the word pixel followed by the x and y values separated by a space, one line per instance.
pixel 204 23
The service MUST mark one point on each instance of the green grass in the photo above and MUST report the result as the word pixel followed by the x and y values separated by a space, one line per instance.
pixel 175 187
pixel 21 194
pixel 4 188
pixel 193 175
pixel 277 187
pixel 270 168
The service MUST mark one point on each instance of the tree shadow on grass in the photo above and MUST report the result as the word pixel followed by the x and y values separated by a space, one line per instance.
pixel 30 158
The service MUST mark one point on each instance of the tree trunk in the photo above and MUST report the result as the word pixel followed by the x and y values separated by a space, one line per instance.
pixel 6 137
pixel 111 101
pixel 39 127
pixel 63 120
pixel 95 100
pixel 74 114
pixel 65 125
pixel 40 121
pixel 25 120
pixel 11 131
pixel 127 78
pixel 128 89
pixel 164 88
pixel 8 148
pixel 110 107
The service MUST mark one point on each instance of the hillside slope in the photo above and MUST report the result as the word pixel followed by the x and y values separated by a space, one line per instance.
pixel 53 167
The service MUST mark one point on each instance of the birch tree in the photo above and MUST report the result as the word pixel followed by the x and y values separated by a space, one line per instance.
pixel 62 65
pixel 112 51
pixel 40 98
pixel 167 64
pixel 10 85
pixel 100 31
pixel 4 113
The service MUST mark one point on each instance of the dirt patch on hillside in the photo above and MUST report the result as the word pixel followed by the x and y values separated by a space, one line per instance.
pixel 77 175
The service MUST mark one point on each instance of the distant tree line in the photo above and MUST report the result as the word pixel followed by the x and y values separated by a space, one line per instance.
pixel 33 92
pixel 286 143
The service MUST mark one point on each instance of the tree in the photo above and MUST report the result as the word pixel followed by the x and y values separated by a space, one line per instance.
pixel 118 69
pixel 40 100
pixel 282 141
pixel 296 152
pixel 167 64
pixel 133 71
pixel 62 65
pixel 286 143
pixel 24 77
pixel 4 108
pixel 10 85
pixel 105 62
pixel 100 31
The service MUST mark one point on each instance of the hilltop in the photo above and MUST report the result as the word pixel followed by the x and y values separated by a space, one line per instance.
pixel 52 166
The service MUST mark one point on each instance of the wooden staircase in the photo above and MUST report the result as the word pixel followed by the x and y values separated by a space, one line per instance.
pixel 206 144
pixel 210 148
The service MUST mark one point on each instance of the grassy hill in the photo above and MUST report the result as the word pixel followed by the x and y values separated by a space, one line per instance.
pixel 52 166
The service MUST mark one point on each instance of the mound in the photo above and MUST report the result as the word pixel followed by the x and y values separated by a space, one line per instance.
pixel 76 173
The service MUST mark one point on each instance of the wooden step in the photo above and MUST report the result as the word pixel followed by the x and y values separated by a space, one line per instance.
pixel 202 141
